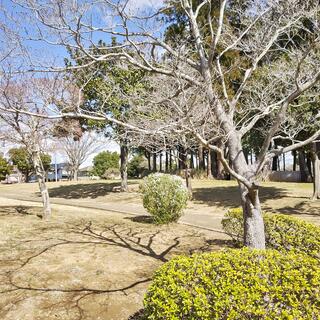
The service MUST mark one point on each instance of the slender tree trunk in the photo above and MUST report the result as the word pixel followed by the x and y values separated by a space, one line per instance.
pixel 167 160
pixel 170 160
pixel 124 167
pixel 284 162
pixel 149 160
pixel 160 158
pixel 40 174
pixel 309 165
pixel 294 155
pixel 302 166
pixel 316 171
pixel 191 160
pixel 209 166
pixel 154 162
pixel 201 158
pixel 188 177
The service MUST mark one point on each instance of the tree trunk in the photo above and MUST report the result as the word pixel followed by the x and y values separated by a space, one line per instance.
pixel 191 160
pixel 123 167
pixel 167 161
pixel 302 166
pixel 188 177
pixel 170 160
pixel 149 160
pixel 254 234
pixel 201 158
pixel 316 171
pixel 209 172
pixel 309 165
pixel 154 162
pixel 75 174
pixel 294 155
pixel 160 158
pixel 284 161
pixel 40 174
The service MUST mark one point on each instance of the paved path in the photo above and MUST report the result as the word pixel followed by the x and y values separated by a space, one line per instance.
pixel 191 217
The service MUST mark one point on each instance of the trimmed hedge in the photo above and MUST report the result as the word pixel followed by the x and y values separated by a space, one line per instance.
pixel 236 284
pixel 283 233
pixel 164 197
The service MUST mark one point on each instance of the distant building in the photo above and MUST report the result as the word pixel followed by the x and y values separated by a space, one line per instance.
pixel 59 171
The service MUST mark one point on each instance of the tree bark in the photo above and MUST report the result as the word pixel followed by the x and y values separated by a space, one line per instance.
pixel 316 171
pixel 167 160
pixel 302 166
pixel 209 172
pixel 154 162
pixel 294 155
pixel 160 159
pixel 254 233
pixel 201 158
pixel 40 174
pixel 124 167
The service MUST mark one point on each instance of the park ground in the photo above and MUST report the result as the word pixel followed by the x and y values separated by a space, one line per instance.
pixel 94 259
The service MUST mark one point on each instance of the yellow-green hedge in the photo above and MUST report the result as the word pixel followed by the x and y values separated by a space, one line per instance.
pixel 283 232
pixel 236 284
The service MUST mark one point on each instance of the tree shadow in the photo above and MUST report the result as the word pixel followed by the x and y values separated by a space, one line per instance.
pixel 141 219
pixel 310 208
pixel 146 243
pixel 83 190
pixel 229 195
pixel 20 210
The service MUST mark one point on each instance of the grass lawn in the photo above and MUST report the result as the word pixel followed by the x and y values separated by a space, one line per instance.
pixel 94 264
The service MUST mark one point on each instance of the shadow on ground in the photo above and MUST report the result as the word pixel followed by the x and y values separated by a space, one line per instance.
pixel 229 195
pixel 44 264
pixel 83 190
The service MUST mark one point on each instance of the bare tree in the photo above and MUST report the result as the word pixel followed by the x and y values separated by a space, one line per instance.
pixel 23 129
pixel 79 149
pixel 277 70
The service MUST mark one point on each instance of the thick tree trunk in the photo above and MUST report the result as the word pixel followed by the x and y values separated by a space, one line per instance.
pixel 254 234
pixel 40 173
pixel 75 174
pixel 302 166
pixel 316 171
pixel 124 167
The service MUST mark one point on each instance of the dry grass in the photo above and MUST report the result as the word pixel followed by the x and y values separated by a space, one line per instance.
pixel 83 264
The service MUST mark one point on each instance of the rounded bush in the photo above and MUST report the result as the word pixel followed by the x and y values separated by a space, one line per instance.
pixel 164 197
pixel 236 284
pixel 283 233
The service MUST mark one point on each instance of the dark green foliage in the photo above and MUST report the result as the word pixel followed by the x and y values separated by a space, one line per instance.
pixel 4 168
pixel 136 166
pixel 164 196
pixel 236 284
pixel 282 232
pixel 22 159
pixel 104 161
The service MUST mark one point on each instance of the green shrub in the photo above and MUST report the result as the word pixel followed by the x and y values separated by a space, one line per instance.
pixel 164 197
pixel 282 232
pixel 236 284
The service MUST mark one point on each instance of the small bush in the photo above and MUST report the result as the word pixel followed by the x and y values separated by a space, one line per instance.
pixel 111 173
pixel 282 232
pixel 164 196
pixel 236 284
